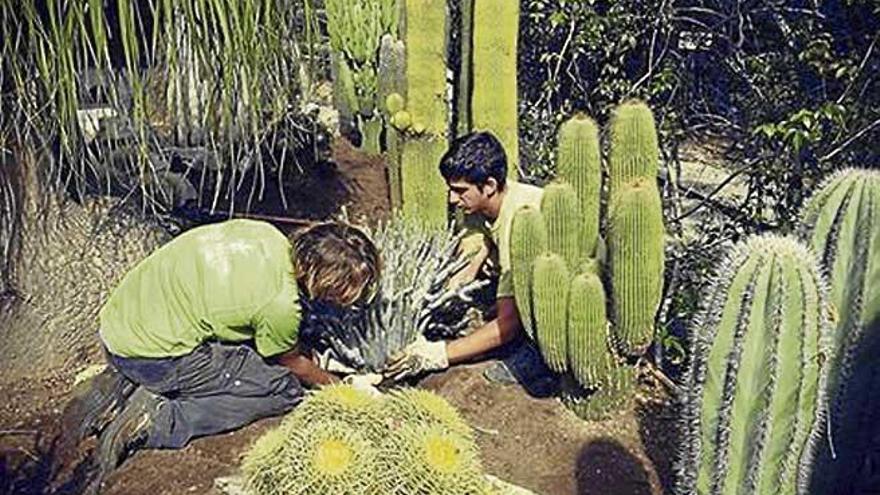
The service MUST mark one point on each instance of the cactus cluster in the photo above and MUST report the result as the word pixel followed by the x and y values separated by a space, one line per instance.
pixel 340 440
pixel 841 222
pixel 413 299
pixel 558 278
pixel 755 385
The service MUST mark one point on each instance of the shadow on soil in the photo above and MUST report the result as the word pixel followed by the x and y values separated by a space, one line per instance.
pixel 606 467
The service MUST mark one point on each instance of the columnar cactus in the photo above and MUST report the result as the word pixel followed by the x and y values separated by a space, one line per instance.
pixel 590 355
pixel 493 101
pixel 755 385
pixel 841 222
pixel 528 239
pixel 424 193
pixel 356 29
pixel 633 152
pixel 635 246
pixel 579 162
pixel 562 214
pixel 550 298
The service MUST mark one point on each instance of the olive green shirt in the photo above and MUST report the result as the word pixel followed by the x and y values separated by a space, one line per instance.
pixel 231 281
pixel 497 233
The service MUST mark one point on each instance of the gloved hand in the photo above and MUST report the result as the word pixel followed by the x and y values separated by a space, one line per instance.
pixel 419 357
pixel 366 382
pixel 326 362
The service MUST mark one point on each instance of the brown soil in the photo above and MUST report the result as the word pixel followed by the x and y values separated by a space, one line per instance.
pixel 534 443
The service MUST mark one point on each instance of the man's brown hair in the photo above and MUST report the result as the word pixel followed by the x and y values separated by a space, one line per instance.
pixel 336 262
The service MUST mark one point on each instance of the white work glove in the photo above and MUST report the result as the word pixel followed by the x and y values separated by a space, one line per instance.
pixel 326 362
pixel 365 382
pixel 419 357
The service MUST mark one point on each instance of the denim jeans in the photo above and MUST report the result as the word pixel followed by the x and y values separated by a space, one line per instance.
pixel 217 387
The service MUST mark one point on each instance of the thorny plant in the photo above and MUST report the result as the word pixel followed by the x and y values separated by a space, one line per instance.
pixel 414 298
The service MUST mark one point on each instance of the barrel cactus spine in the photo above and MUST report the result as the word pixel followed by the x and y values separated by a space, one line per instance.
pixel 755 384
pixel 494 91
pixel 636 261
pixel 579 163
pixel 550 281
pixel 528 239
pixel 841 222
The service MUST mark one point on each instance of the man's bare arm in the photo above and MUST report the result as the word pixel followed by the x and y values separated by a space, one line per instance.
pixel 505 328
pixel 305 369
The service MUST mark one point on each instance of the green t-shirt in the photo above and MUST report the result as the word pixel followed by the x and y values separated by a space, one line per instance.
pixel 497 233
pixel 231 281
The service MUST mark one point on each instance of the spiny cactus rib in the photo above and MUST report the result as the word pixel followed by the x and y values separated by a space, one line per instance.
pixel 322 457
pixel 842 224
pixel 430 459
pixel 339 402
pixel 550 281
pixel 579 163
pixel 616 395
pixel 562 214
pixel 634 151
pixel 636 258
pixel 426 408
pixel 590 357
pixel 494 98
pixel 413 299
pixel 392 73
pixel 755 378
pixel 528 239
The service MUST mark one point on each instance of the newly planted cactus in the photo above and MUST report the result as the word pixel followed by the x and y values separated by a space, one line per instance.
pixel 578 162
pixel 324 456
pixel 841 222
pixel 755 385
pixel 528 239
pixel 562 215
pixel 634 153
pixel 550 298
pixel 431 459
pixel 635 245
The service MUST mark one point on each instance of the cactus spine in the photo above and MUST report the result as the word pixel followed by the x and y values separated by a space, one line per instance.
pixel 636 261
pixel 494 98
pixel 579 163
pixel 562 214
pixel 754 385
pixel 842 225
pixel 590 355
pixel 550 293
pixel 528 239
pixel 634 152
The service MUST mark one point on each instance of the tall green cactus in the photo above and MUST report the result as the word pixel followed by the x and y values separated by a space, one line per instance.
pixel 528 239
pixel 633 152
pixel 635 245
pixel 562 214
pixel 550 292
pixel 493 101
pixel 355 28
pixel 423 189
pixel 578 162
pixel 841 222
pixel 754 388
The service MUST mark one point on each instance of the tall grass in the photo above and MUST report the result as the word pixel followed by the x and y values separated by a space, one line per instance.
pixel 217 76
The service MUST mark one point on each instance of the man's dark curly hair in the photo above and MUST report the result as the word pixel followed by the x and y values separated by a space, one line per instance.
pixel 475 157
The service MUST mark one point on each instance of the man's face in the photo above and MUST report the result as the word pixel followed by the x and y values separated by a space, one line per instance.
pixel 470 197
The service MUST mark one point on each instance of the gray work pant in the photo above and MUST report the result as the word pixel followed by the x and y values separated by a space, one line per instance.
pixel 215 388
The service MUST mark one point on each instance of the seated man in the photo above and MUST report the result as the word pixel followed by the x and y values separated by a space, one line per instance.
pixel 207 327
pixel 475 170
